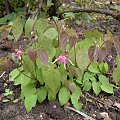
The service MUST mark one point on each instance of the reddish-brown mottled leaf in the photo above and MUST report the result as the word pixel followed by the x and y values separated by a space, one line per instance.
pixel 96 54
pixel 72 41
pixel 108 45
pixel 91 51
pixel 108 39
pixel 63 38
pixel 117 45
pixel 102 54
pixel 43 56
pixel 1 96
pixel 32 54
pixel 4 64
pixel 72 87
pixel 4 34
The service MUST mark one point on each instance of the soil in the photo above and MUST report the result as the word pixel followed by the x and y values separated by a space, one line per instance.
pixel 103 107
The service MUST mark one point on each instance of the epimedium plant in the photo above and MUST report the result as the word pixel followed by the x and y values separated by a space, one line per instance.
pixel 57 64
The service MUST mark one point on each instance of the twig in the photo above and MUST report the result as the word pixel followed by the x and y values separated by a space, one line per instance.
pixel 101 102
pixel 37 9
pixel 2 74
pixel 26 13
pixel 6 2
pixel 81 113
pixel 101 11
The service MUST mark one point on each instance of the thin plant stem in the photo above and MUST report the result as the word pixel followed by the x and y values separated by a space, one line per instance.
pixel 75 54
pixel 25 74
pixel 58 32
pixel 29 70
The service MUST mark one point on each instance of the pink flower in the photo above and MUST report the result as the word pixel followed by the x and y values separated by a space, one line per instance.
pixel 63 59
pixel 18 53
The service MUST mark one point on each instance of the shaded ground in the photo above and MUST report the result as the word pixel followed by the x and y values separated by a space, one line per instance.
pixel 109 106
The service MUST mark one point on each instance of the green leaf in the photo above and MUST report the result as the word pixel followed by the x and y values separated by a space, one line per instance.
pixel 78 72
pixel 41 25
pixel 64 96
pixel 106 67
pixel 63 72
pixel 49 3
pixel 15 101
pixel 79 80
pixel 13 74
pixel 87 75
pixel 116 75
pixel 116 72
pixel 51 33
pixel 94 35
pixel 41 94
pixel 5 100
pixel 29 26
pixel 75 97
pixel 17 28
pixel 72 87
pixel 8 92
pixel 104 80
pixel 52 79
pixel 45 43
pixel 118 60
pixel 107 88
pixel 103 67
pixel 28 65
pixel 22 78
pixel 30 102
pixel 40 76
pixel 51 53
pixel 96 86
pixel 3 20
pixel 93 67
pixel 82 59
pixel 28 90
pixel 39 63
pixel 78 1
pixel 87 86
pixel 116 7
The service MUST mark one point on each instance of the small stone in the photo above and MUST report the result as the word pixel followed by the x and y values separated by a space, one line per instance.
pixel 5 84
pixel 100 105
pixel 63 4
pixel 105 116
pixel 72 114
pixel 54 106
pixel 36 37
pixel 117 105
pixel 31 32
pixel 41 116
pixel 94 115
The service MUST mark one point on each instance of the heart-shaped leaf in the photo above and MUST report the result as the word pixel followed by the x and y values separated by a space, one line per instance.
pixel 32 54
pixel 43 56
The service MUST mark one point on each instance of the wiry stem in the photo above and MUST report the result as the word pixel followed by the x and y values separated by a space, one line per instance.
pixel 75 55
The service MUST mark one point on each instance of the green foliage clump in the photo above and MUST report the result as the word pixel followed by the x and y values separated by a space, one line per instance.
pixel 57 65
